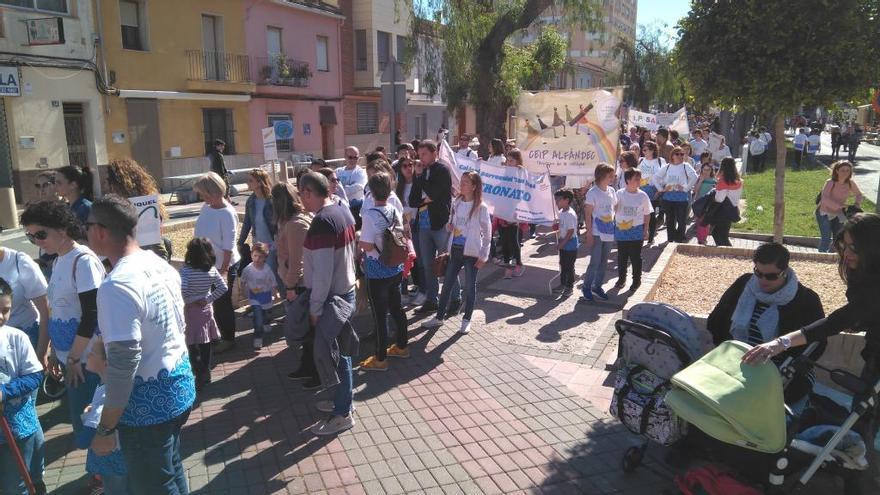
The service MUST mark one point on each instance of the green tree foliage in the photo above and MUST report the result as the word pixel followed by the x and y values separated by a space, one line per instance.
pixel 773 56
pixel 648 70
pixel 477 64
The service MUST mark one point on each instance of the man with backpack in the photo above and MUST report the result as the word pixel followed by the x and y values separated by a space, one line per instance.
pixel 385 251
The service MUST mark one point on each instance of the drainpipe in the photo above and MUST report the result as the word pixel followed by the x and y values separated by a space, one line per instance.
pixel 99 45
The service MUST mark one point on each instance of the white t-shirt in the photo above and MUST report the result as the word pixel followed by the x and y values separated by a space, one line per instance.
pixel 220 226
pixel 496 160
pixel 141 300
pixel 757 146
pixel 721 154
pixel 461 214
pixel 412 212
pixel 649 169
pixel 800 141
pixel 259 283
pixel 63 291
pixel 369 202
pixel 568 220
pixel 630 215
pixel 374 225
pixel 603 211
pixel 27 282
pixel 353 181
pixel 814 143
pixel 699 146
pixel 18 358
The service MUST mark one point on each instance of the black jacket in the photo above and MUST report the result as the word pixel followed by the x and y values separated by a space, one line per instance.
pixel 436 182
pixel 218 163
pixel 804 309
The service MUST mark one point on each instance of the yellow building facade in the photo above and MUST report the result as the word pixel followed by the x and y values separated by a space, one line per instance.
pixel 183 80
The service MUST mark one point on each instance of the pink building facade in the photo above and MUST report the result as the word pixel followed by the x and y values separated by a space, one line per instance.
pixel 294 49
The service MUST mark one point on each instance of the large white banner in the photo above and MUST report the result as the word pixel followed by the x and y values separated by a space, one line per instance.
pixel 677 121
pixel 512 193
pixel 642 119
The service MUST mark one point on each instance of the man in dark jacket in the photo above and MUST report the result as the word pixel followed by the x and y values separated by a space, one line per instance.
pixel 765 304
pixel 432 194
pixel 218 164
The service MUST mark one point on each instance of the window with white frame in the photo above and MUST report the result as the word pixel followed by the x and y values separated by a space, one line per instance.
pixel 322 54
pixel 58 6
pixel 367 118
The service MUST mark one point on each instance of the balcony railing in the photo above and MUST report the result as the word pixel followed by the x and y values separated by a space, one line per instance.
pixel 218 66
pixel 282 71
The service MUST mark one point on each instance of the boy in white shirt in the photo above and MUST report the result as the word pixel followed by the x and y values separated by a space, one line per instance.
pixel 567 242
pixel 631 218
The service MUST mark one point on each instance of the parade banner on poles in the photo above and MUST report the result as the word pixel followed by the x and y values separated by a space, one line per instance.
pixel 568 132
pixel 642 119
pixel 511 193
pixel 677 121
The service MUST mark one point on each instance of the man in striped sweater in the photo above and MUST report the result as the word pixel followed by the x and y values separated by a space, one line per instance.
pixel 328 271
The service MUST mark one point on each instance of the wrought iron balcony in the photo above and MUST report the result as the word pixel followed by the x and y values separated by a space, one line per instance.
pixel 218 66
pixel 282 71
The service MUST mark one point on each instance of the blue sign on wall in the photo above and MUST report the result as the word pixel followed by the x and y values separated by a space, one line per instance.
pixel 283 129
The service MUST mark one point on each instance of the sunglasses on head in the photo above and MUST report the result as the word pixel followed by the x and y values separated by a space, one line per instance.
pixel 39 235
pixel 770 277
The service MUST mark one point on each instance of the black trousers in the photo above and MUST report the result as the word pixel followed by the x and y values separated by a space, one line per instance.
pixel 566 267
pixel 676 219
pixel 200 359
pixel 629 251
pixel 652 225
pixel 224 313
pixel 721 234
pixel 510 243
pixel 384 294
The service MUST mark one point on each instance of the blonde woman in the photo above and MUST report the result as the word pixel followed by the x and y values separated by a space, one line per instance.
pixel 218 223
pixel 471 234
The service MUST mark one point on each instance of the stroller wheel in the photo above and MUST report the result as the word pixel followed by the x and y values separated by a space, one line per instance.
pixel 632 459
pixel 53 389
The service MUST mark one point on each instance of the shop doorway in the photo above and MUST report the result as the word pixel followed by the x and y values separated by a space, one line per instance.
pixel 75 132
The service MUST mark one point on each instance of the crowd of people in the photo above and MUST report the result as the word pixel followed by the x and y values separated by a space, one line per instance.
pixel 134 339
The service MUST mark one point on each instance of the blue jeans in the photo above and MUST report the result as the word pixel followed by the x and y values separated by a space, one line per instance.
pixel 272 261
pixel 596 269
pixel 432 242
pixel 79 397
pixel 457 261
pixel 152 457
pixel 258 315
pixel 31 449
pixel 828 228
pixel 343 395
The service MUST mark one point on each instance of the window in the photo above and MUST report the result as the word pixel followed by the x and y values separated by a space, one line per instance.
pixel 367 118
pixel 421 126
pixel 401 48
pixel 360 49
pixel 282 144
pixel 219 124
pixel 273 42
pixel 322 48
pixel 383 48
pixel 131 15
pixel 59 6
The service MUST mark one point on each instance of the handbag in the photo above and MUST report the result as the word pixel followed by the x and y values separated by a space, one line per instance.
pixel 639 403
pixel 438 267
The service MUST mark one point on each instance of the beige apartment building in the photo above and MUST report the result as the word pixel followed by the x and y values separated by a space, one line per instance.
pixel 591 53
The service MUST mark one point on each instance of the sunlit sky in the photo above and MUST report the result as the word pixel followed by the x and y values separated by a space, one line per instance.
pixel 662 12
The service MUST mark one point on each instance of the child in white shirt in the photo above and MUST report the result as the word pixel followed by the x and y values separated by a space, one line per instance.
pixel 259 282
pixel 568 241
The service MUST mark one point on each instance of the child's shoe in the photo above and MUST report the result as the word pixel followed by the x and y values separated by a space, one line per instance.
pixel 333 425
pixel 258 343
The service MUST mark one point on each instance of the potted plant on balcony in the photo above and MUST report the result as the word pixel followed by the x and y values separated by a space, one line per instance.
pixel 281 68
pixel 301 75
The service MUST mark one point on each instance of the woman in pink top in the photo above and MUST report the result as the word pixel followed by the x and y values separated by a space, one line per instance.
pixel 832 201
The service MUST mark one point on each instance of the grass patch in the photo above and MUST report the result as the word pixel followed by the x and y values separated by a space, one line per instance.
pixel 801 188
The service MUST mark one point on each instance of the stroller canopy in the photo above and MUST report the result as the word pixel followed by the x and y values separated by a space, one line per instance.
pixel 730 401
pixel 676 323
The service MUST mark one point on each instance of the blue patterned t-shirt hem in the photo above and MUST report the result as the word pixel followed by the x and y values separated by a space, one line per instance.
pixel 160 399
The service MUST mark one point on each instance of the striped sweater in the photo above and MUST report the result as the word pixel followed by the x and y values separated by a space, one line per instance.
pixel 328 256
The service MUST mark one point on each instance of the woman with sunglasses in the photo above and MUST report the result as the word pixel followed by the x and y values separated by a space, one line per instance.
pixel 675 181
pixel 765 304
pixel 72 294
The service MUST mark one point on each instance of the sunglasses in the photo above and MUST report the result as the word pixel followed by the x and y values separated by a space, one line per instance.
pixel 352 157
pixel 770 277
pixel 39 235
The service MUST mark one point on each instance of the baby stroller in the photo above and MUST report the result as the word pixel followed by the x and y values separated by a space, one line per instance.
pixel 741 407
pixel 655 342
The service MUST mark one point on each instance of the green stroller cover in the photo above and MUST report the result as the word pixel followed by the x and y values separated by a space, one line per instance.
pixel 730 401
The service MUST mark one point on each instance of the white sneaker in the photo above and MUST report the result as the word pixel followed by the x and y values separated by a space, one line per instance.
pixel 419 299
pixel 333 425
pixel 327 406
pixel 258 343
pixel 434 322
pixel 465 327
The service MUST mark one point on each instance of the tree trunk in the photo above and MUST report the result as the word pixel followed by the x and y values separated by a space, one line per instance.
pixel 491 121
pixel 779 199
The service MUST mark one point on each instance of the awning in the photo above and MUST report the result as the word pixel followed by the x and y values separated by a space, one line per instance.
pixel 327 115
pixel 180 95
